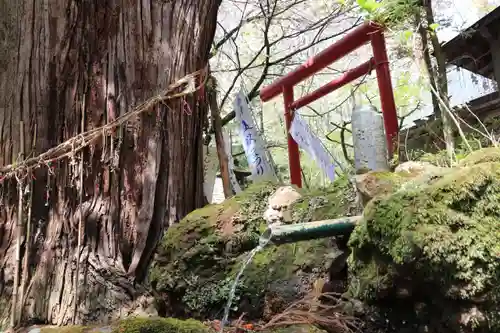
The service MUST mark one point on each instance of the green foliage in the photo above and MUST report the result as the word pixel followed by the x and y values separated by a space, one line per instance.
pixel 390 13
pixel 439 159
pixel 369 5
pixel 440 242
pixel 434 26
pixel 407 34
pixel 463 157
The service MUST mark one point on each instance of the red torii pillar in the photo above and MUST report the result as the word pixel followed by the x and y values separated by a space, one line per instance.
pixel 361 35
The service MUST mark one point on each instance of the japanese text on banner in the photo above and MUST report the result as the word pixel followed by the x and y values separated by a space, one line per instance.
pixel 210 165
pixel 252 141
pixel 306 140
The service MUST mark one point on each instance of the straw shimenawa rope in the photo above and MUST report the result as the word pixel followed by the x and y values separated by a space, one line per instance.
pixel 311 311
pixel 68 148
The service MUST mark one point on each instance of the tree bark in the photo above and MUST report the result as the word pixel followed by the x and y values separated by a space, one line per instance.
pixel 441 81
pixel 437 75
pixel 219 138
pixel 106 56
pixel 426 55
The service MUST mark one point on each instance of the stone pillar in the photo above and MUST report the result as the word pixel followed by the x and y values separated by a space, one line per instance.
pixel 370 146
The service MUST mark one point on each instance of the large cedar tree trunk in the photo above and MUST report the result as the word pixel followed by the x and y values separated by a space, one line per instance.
pixel 60 57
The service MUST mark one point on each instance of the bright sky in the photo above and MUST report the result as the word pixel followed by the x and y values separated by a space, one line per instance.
pixel 464 13
pixel 462 88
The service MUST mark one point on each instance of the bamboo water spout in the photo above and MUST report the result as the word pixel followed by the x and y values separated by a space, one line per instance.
pixel 292 233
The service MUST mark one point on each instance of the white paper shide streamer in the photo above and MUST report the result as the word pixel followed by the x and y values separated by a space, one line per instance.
pixel 253 144
pixel 306 140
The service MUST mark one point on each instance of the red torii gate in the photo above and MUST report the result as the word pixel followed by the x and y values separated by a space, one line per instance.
pixel 361 35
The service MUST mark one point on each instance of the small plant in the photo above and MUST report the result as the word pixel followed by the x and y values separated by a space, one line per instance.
pixel 390 13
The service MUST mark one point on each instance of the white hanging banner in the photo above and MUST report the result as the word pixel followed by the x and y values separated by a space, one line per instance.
pixel 253 144
pixel 210 164
pixel 232 177
pixel 306 140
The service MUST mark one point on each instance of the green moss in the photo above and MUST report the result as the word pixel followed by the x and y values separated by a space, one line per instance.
pixel 137 325
pixel 381 183
pixel 165 325
pixel 198 259
pixel 325 203
pixel 194 262
pixel 441 241
pixel 280 263
pixel 65 329
pixel 491 154
pixel 159 325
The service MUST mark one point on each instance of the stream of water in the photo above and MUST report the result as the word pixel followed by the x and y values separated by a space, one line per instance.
pixel 263 241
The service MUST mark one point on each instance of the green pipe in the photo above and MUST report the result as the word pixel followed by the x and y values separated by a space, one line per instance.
pixel 292 233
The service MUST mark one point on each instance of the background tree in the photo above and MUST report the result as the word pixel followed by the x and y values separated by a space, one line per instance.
pixel 241 60
pixel 251 56
pixel 64 61
pixel 297 31
pixel 411 15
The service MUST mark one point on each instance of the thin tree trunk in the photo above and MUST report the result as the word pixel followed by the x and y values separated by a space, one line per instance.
pixel 442 82
pixel 100 58
pixel 437 76
pixel 219 139
pixel 426 55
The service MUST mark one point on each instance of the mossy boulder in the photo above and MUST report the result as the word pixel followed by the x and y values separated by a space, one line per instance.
pixel 198 259
pixel 382 183
pixel 376 183
pixel 432 253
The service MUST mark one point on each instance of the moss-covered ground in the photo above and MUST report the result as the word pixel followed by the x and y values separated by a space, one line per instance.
pixel 137 325
pixel 164 325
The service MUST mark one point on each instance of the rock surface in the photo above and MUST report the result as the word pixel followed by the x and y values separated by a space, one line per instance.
pixel 278 210
pixel 406 175
pixel 197 262
pixel 425 257
pixel 431 255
